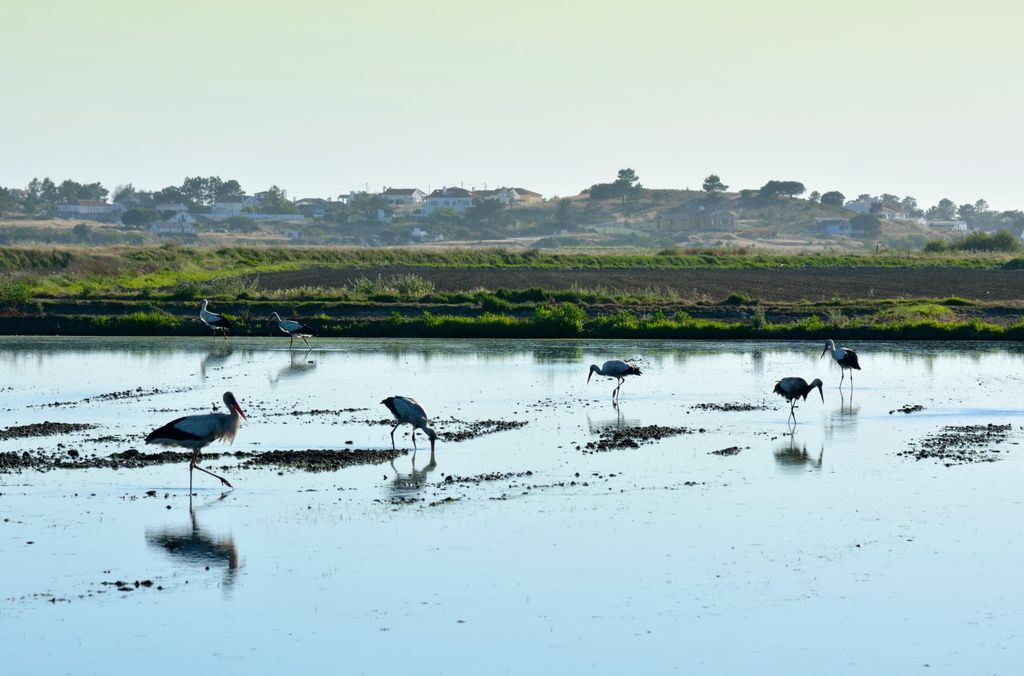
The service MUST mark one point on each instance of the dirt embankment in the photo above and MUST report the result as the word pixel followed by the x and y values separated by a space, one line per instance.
pixel 773 285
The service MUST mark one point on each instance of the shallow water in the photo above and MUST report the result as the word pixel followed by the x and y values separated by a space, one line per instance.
pixel 820 551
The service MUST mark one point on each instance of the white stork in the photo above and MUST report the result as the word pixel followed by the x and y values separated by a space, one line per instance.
pixel 615 368
pixel 845 357
pixel 214 320
pixel 198 431
pixel 407 411
pixel 796 388
pixel 293 328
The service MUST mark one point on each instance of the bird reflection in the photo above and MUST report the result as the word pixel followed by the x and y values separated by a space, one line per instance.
pixel 618 422
pixel 408 484
pixel 215 358
pixel 846 407
pixel 192 545
pixel 298 365
pixel 793 456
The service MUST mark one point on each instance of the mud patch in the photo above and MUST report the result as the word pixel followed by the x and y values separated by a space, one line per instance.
pixel 43 429
pixel 907 408
pixel 632 437
pixel 321 460
pixel 472 430
pixel 137 393
pixel 961 444
pixel 730 407
pixel 732 450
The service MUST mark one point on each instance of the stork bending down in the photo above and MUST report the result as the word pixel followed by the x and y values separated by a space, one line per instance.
pixel 615 368
pixel 407 411
pixel 796 388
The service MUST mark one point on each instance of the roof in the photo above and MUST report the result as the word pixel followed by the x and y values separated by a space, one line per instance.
pixel 451 192
pixel 524 191
pixel 232 199
pixel 401 191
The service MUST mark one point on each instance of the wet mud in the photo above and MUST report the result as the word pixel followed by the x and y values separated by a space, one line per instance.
pixel 732 450
pixel 961 444
pixel 43 429
pixel 632 437
pixel 314 460
pixel 907 408
pixel 730 407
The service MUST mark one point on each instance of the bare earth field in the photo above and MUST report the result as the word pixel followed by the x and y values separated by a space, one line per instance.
pixel 785 285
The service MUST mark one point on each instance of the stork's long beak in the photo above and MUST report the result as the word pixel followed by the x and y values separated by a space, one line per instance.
pixel 588 377
pixel 822 393
pixel 823 352
pixel 238 409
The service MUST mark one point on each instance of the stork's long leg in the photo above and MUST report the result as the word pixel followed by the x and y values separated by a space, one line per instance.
pixel 413 438
pixel 291 339
pixel 851 380
pixel 194 464
pixel 305 341
pixel 393 435
pixel 842 374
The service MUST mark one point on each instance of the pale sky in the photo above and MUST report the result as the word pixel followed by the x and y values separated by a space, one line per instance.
pixel 322 97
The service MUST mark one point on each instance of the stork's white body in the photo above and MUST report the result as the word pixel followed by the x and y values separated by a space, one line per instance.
pixel 615 368
pixel 196 432
pixel 407 411
pixel 293 328
pixel 845 357
pixel 214 320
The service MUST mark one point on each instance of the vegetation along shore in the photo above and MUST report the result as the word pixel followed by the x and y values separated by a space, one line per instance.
pixel 675 293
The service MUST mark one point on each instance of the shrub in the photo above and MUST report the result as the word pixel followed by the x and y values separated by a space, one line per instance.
pixel 564 319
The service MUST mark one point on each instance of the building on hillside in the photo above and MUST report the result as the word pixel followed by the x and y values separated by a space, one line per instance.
pixel 861 206
pixel 697 220
pixel 524 196
pixel 171 208
pixel 401 196
pixel 891 213
pixel 313 207
pixel 90 210
pixel 457 199
pixel 955 225
pixel 831 227
pixel 233 205
pixel 180 223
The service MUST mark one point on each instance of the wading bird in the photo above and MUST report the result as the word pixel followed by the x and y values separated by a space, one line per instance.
pixel 214 320
pixel 845 357
pixel 198 431
pixel 616 368
pixel 796 388
pixel 407 411
pixel 293 328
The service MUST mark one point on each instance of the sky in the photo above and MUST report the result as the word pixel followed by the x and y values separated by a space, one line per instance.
pixel 322 97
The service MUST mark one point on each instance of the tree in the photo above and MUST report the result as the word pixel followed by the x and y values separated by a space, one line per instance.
pixel 48 191
pixel 7 201
pixel 68 191
pixel 966 212
pixel 909 205
pixel 82 232
pixel 484 210
pixel 782 188
pixel 138 217
pixel 366 207
pixel 627 178
pixel 833 198
pixel 170 195
pixel 627 183
pixel 125 194
pixel 981 206
pixel 229 188
pixel 945 210
pixel 888 200
pixel 866 226
pixel 713 184
pixel 815 197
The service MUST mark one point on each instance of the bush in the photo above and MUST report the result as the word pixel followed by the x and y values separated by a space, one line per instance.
pixel 565 319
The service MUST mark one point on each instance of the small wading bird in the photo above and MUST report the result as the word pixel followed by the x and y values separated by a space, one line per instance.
pixel 293 328
pixel 845 357
pixel 214 320
pixel 407 411
pixel 616 368
pixel 796 388
pixel 198 431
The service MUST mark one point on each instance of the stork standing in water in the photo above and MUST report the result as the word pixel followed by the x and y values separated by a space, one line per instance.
pixel 407 411
pixel 214 320
pixel 796 388
pixel 293 328
pixel 199 431
pixel 845 357
pixel 616 368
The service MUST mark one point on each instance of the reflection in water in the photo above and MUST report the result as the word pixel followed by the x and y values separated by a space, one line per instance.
pixel 298 365
pixel 618 422
pixel 215 358
pixel 408 484
pixel 845 417
pixel 793 456
pixel 192 545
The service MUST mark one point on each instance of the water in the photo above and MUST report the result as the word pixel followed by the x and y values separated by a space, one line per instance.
pixel 817 552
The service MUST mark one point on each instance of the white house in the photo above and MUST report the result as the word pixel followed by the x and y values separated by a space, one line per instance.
pixel 891 213
pixel 180 223
pixel 225 207
pixel 524 196
pixel 457 199
pixel 94 210
pixel 175 208
pixel 958 225
pixel 400 196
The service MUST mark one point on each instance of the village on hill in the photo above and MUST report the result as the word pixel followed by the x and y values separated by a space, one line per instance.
pixel 621 213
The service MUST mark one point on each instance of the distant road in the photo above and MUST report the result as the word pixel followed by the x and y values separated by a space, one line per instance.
pixel 813 284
